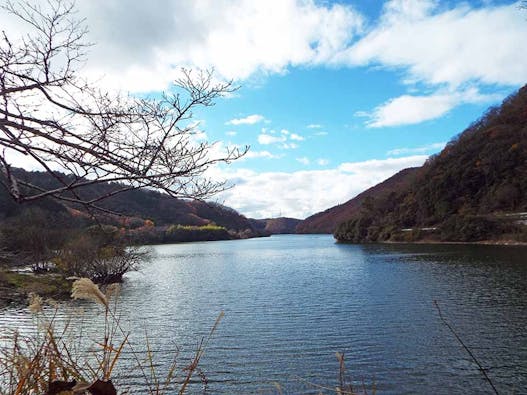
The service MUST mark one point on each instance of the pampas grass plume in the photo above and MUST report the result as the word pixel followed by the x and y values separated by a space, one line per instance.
pixel 84 288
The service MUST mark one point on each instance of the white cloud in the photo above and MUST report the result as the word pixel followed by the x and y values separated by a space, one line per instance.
pixel 446 46
pixel 230 133
pixel 289 146
pixel 260 154
pixel 302 193
pixel 382 165
pixel 322 162
pixel 266 139
pixel 304 160
pixel 314 126
pixel 248 120
pixel 417 150
pixel 140 47
pixel 408 109
pixel 199 136
pixel 282 138
pixel 321 133
pixel 296 137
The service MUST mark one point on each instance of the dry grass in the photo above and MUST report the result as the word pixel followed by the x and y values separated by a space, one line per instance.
pixel 53 360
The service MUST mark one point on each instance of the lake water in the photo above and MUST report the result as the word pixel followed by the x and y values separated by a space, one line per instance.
pixel 291 302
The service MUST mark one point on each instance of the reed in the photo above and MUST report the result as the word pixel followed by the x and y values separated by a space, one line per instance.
pixel 53 359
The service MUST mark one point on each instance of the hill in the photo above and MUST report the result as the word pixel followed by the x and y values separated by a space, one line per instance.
pixel 276 226
pixel 133 208
pixel 475 189
pixel 327 221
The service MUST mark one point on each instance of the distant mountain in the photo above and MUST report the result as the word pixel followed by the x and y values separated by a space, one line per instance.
pixel 275 226
pixel 136 206
pixel 327 221
pixel 475 189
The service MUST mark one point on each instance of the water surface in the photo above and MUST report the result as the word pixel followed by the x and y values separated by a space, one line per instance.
pixel 292 302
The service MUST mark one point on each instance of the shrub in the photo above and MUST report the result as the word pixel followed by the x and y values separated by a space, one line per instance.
pixel 99 254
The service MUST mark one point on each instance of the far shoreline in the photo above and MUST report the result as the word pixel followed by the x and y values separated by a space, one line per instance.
pixel 507 243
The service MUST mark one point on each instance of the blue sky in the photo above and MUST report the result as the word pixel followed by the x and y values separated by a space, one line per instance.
pixel 334 97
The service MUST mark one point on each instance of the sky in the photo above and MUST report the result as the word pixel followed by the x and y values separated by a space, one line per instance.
pixel 334 96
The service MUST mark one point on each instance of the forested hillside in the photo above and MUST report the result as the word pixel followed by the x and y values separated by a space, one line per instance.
pixel 131 209
pixel 475 189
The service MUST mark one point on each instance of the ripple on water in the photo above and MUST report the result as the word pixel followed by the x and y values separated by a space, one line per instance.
pixel 291 302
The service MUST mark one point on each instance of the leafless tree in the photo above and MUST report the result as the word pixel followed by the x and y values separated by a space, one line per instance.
pixel 61 122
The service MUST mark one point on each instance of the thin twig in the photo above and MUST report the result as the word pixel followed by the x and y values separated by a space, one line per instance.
pixel 480 367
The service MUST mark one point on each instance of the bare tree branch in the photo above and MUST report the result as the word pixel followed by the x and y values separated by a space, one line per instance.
pixel 62 123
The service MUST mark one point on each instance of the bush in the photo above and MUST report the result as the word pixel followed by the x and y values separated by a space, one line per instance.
pixel 99 254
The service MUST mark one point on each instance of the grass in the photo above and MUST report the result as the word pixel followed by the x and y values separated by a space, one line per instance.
pixel 16 286
pixel 54 360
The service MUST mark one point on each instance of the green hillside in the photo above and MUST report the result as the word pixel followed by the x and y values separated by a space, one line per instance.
pixel 475 189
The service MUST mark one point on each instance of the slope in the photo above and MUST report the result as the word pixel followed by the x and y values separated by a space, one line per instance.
pixel 475 189
pixel 274 226
pixel 137 205
pixel 327 221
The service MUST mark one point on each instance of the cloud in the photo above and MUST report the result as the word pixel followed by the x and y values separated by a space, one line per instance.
pixel 302 193
pixel 296 137
pixel 417 150
pixel 248 120
pixel 314 126
pixel 230 133
pixel 266 139
pixel 322 162
pixel 140 47
pixel 283 138
pixel 408 109
pixel 437 45
pixel 289 146
pixel 260 154
pixel 382 165
pixel 304 160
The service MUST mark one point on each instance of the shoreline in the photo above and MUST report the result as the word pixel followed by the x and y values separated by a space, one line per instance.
pixel 508 243
pixel 15 287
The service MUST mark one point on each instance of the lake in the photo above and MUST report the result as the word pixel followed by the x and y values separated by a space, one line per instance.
pixel 291 302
